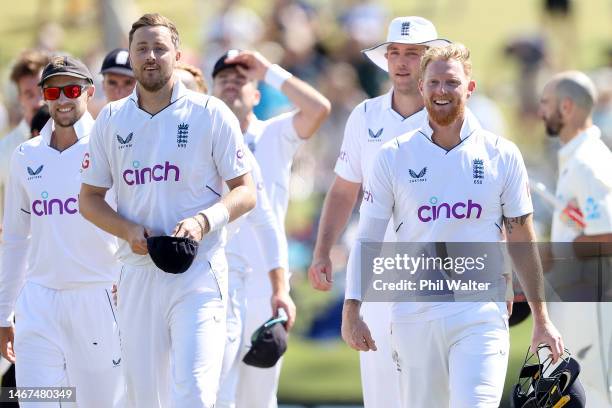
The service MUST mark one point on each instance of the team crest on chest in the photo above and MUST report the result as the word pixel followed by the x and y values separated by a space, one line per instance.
pixel 478 171
pixel 417 177
pixel 182 135
pixel 375 136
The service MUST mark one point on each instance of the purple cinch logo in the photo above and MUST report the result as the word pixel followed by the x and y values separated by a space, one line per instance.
pixel 458 210
pixel 158 172
pixel 239 153
pixel 54 206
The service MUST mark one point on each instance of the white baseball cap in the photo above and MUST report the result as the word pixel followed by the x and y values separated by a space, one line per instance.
pixel 405 30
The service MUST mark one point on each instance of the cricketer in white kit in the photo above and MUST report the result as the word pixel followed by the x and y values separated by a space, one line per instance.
pixel 57 269
pixel 371 124
pixel 447 354
pixel 168 151
pixel 274 143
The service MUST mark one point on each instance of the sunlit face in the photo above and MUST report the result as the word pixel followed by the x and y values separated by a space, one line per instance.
pixel 446 88
pixel 403 63
pixel 117 86
pixel 233 88
pixel 65 111
pixel 30 96
pixel 153 56
pixel 550 111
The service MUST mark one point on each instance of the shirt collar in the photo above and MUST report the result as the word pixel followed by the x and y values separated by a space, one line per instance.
pixel 570 148
pixel 82 128
pixel 178 91
pixel 387 102
pixel 470 124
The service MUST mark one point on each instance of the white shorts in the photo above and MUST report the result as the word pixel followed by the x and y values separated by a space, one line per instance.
pixel 458 361
pixel 232 357
pixel 379 375
pixel 172 335
pixel 69 338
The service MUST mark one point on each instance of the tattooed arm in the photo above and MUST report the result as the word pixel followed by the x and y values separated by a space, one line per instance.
pixel 526 261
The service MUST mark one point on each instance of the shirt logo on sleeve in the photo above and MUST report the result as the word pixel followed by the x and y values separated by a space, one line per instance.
pixel 368 196
pixel 592 209
pixel 124 143
pixel 418 177
pixel 35 174
pixel 239 154
pixel 182 134
pixel 478 171
pixel 375 136
pixel 343 156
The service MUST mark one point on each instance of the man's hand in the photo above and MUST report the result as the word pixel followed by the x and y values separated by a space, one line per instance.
pixel 7 340
pixel 136 236
pixel 282 300
pixel 193 228
pixel 544 332
pixel 320 274
pixel 251 64
pixel 355 331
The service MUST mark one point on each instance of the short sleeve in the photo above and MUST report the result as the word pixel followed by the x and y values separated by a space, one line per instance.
pixel 96 164
pixel 378 193
pixel 348 165
pixel 228 150
pixel 282 128
pixel 515 196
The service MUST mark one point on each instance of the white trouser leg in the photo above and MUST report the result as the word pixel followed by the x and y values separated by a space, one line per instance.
pixel 257 387
pixel 161 313
pixel 379 375
pixel 236 311
pixel 71 334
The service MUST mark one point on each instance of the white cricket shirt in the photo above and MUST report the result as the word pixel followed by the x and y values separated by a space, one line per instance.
pixel 585 178
pixel 8 144
pixel 43 224
pixel 436 195
pixel 168 166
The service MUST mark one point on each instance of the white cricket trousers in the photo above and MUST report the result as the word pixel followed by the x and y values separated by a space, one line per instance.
pixel 379 375
pixel 172 335
pixel 69 338
pixel 458 361
pixel 232 357
pixel 257 387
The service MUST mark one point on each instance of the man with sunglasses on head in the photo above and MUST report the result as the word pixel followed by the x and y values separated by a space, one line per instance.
pixel 65 333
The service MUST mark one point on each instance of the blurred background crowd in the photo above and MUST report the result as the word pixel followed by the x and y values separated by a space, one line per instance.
pixel 516 46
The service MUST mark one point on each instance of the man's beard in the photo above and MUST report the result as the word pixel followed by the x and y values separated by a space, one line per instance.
pixel 444 118
pixel 554 124
pixel 156 83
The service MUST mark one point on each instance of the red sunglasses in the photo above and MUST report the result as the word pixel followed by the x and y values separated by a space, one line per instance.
pixel 71 91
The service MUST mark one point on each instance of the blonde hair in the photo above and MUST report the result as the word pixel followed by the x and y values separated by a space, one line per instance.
pixel 455 51
pixel 152 20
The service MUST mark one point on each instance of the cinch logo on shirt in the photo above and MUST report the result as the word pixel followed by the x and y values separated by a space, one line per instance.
pixel 458 210
pixel 368 196
pixel 158 172
pixel 55 206
pixel 343 156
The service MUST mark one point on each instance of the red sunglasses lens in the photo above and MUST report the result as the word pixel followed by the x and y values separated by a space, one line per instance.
pixel 51 94
pixel 72 91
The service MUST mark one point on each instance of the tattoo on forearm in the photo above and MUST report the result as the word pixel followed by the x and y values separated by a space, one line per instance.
pixel 508 222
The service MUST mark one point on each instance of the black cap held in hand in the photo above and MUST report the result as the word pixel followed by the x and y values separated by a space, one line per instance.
pixel 268 344
pixel 65 65
pixel 172 254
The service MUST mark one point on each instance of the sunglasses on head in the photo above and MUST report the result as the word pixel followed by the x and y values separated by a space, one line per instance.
pixel 71 91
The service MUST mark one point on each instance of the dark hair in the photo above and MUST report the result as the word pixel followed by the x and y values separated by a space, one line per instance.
pixel 29 63
pixel 152 20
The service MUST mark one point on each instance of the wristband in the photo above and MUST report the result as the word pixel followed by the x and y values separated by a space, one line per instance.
pixel 276 76
pixel 217 216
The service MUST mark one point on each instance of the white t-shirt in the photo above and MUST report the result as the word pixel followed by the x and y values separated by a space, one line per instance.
pixel 439 196
pixel 8 144
pixel 65 250
pixel 168 166
pixel 585 180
